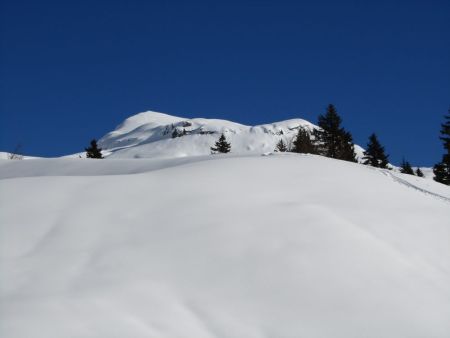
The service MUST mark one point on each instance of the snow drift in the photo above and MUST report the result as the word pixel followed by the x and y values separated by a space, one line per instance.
pixel 257 246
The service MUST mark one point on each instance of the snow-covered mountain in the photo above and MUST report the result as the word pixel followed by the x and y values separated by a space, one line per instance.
pixel 163 240
pixel 284 245
pixel 152 134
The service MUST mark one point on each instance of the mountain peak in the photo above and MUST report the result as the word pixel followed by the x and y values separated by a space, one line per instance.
pixel 154 134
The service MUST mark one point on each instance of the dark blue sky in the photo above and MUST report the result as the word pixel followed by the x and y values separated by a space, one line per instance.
pixel 73 70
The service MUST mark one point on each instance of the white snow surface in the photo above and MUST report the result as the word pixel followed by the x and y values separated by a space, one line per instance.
pixel 149 135
pixel 6 156
pixel 285 245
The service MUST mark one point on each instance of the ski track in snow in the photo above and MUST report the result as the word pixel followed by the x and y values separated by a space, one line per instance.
pixel 404 182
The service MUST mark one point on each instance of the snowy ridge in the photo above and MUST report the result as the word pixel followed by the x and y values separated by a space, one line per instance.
pixel 6 156
pixel 152 134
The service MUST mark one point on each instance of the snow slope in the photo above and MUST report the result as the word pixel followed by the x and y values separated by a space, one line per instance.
pixel 6 156
pixel 221 246
pixel 150 134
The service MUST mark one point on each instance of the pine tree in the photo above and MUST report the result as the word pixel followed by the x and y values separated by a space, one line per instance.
pixel 441 170
pixel 331 139
pixel 405 168
pixel 302 143
pixel 221 146
pixel 93 151
pixel 346 151
pixel 419 172
pixel 374 155
pixel 281 146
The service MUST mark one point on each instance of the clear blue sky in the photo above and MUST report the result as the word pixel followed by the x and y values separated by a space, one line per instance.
pixel 72 70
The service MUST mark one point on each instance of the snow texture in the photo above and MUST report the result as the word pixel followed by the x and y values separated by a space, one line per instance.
pixel 284 245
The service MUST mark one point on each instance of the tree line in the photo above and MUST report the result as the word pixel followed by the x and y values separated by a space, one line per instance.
pixel 333 141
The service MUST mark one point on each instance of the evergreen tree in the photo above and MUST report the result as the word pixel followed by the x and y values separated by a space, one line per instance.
pixel 419 172
pixel 281 146
pixel 405 168
pixel 346 151
pixel 441 170
pixel 374 155
pixel 331 139
pixel 221 146
pixel 302 143
pixel 93 151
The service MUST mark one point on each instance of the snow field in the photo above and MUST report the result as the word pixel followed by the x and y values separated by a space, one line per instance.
pixel 256 246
